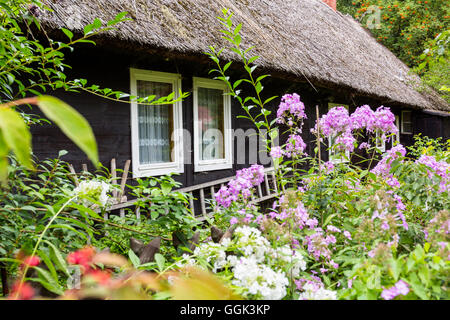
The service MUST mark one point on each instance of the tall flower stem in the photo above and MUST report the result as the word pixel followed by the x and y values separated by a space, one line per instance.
pixel 26 267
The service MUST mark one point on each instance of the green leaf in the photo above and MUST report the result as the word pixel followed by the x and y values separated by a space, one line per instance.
pixel 84 209
pixel 72 123
pixel 57 258
pixel 160 261
pixel 396 268
pixel 227 66
pixel 134 258
pixel 237 29
pixel 68 33
pixel 49 264
pixel 48 282
pixel 328 219
pixel 16 135
pixel 166 188
pixel 65 226
pixel 418 289
pixel 251 60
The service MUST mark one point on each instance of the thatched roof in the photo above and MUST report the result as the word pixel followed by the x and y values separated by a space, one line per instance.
pixel 305 38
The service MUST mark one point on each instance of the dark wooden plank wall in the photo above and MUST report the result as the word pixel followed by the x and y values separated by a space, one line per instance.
pixel 111 120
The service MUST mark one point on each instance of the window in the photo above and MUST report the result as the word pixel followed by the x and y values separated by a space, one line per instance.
pixel 407 127
pixel 156 130
pixel 212 126
pixel 335 156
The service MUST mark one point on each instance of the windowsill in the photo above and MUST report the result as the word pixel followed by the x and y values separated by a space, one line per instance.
pixel 158 169
pixel 221 164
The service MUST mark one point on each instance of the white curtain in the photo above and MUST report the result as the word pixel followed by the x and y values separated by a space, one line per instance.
pixel 155 124
pixel 211 122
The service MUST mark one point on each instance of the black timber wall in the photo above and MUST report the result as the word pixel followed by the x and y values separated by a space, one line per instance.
pixel 110 120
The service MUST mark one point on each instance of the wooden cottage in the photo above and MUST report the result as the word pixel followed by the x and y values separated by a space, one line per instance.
pixel 307 47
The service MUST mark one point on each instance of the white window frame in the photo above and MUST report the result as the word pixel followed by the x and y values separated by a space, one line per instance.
pixel 381 147
pixel 347 153
pixel 403 121
pixel 215 164
pixel 157 169
pixel 397 124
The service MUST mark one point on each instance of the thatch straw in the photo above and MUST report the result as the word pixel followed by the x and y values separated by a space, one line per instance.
pixel 305 38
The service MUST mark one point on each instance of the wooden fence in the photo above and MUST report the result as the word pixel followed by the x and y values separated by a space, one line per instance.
pixel 200 195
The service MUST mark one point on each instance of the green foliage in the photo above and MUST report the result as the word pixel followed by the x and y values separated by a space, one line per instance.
pixel 424 145
pixel 30 67
pixel 435 63
pixel 254 101
pixel 16 137
pixel 425 270
pixel 166 208
pixel 29 216
pixel 405 27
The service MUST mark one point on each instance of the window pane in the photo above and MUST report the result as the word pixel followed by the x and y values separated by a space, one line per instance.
pixel 155 124
pixel 211 123
pixel 406 122
pixel 407 127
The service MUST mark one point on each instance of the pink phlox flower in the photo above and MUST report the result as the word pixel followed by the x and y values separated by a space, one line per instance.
pixel 295 146
pixel 400 288
pixel 276 152
pixel 347 235
pixel 332 228
pixel 290 106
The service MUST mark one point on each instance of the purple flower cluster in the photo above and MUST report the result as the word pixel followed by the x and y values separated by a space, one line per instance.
pixel 315 282
pixel 295 146
pixel 345 142
pixel 362 118
pixel 364 145
pixel 382 119
pixel 318 246
pixel 290 109
pixel 276 152
pixel 240 186
pixel 331 228
pixel 328 167
pixel 383 167
pixel 299 214
pixel 440 168
pixel 400 206
pixel 338 123
pixel 400 288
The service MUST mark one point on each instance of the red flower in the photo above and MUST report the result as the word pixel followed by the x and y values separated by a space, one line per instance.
pixel 21 291
pixel 99 276
pixel 82 257
pixel 31 261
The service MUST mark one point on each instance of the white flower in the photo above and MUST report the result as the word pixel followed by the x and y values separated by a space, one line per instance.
pixel 259 279
pixel 313 293
pixel 291 257
pixel 187 260
pixel 95 190
pixel 250 242
pixel 213 253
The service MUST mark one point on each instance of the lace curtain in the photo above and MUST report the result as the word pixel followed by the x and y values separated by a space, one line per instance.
pixel 155 124
pixel 211 122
